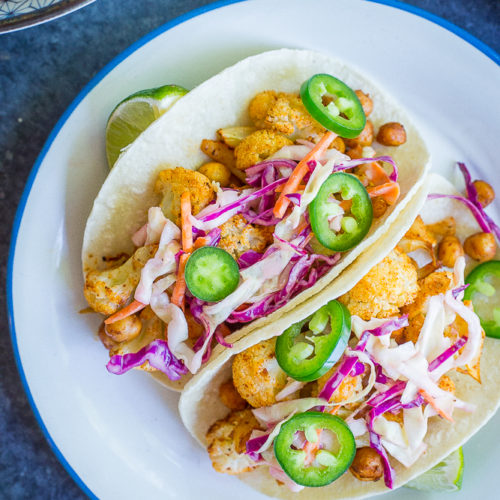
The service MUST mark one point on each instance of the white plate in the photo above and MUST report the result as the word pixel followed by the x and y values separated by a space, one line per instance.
pixel 120 437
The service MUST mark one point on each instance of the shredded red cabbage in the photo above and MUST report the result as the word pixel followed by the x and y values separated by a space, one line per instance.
pixel 387 405
pixel 220 338
pixel 302 275
pixel 388 327
pixel 457 291
pixel 418 401
pixel 249 258
pixel 377 446
pixel 255 173
pixel 336 379
pixel 380 377
pixel 447 354
pixel 354 163
pixel 253 445
pixel 358 369
pixel 294 198
pixel 157 354
pixel 397 388
pixel 265 218
pixel 243 201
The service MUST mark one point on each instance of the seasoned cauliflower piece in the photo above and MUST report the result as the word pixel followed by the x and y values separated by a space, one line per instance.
pixel 238 236
pixel 171 183
pixel 109 290
pixel 257 375
pixel 346 390
pixel 433 284
pixel 388 286
pixel 418 237
pixel 284 113
pixel 227 439
pixel 259 146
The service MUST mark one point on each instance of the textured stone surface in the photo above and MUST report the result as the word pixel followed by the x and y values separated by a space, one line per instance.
pixel 70 51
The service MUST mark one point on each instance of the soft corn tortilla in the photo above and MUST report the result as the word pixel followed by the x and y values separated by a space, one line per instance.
pixel 200 405
pixel 174 140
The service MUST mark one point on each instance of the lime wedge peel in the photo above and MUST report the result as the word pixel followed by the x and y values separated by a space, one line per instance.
pixel 447 475
pixel 134 114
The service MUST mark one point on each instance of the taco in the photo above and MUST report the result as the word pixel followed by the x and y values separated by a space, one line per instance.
pixel 210 251
pixel 365 386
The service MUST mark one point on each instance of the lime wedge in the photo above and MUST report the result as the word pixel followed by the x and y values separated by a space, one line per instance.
pixel 445 476
pixel 134 114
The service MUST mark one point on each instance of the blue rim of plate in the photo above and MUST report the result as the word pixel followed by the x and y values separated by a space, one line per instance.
pixel 478 44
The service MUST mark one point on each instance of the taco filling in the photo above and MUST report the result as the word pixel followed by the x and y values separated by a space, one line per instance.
pixel 249 231
pixel 357 386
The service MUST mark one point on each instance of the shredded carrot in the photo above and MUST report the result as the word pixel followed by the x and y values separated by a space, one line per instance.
pixel 186 226
pixel 308 238
pixel 433 403
pixel 388 191
pixel 376 174
pixel 311 449
pixel 301 227
pixel 178 294
pixel 200 242
pixel 300 187
pixel 334 410
pixel 299 172
pixel 132 308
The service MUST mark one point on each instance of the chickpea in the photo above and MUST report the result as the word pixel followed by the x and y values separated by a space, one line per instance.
pixel 106 340
pixel 363 139
pixel 450 250
pixel 365 101
pixel 230 396
pixel 485 193
pixel 367 465
pixel 391 134
pixel 481 246
pixel 379 206
pixel 124 329
pixel 216 172
pixel 338 144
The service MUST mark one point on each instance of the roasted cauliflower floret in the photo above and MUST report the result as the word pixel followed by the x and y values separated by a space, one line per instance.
pixel 227 439
pixel 171 183
pixel 388 286
pixel 237 236
pixel 109 290
pixel 284 113
pixel 259 146
pixel 418 237
pixel 433 284
pixel 257 375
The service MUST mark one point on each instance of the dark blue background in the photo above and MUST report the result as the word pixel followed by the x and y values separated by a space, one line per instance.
pixel 42 69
